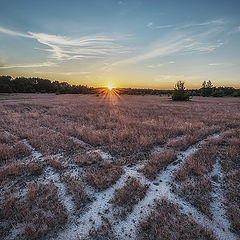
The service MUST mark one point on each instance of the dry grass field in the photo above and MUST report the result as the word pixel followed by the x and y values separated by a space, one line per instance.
pixel 119 167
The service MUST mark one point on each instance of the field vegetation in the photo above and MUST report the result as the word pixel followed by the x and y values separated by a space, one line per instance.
pixel 119 167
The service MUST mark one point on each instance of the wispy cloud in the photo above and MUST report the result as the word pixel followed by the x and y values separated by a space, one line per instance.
pixel 219 64
pixel 235 30
pixel 150 25
pixel 214 64
pixel 155 65
pixel 63 73
pixel 36 65
pixel 163 26
pixel 13 33
pixel 62 48
pixel 201 38
pixel 153 26
pixel 215 22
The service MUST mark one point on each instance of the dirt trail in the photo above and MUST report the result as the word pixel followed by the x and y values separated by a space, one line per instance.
pixel 101 206
pixel 126 229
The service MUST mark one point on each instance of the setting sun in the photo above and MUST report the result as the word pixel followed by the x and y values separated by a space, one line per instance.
pixel 110 86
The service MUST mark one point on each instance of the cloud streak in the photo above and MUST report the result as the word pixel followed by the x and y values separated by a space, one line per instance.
pixel 62 48
pixel 36 65
pixel 151 25
pixel 215 22
pixel 201 38
pixel 13 33
pixel 194 37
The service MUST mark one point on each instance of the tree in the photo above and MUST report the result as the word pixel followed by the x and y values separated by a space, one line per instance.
pixel 207 89
pixel 5 84
pixel 218 93
pixel 179 93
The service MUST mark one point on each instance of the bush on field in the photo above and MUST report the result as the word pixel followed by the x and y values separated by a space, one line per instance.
pixel 179 93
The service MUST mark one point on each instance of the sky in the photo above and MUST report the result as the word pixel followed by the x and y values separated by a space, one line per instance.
pixel 126 43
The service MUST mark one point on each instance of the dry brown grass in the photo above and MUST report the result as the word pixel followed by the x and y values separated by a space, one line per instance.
pixel 231 165
pixel 76 189
pixel 192 138
pixel 21 150
pixel 231 155
pixel 40 212
pixel 127 126
pixel 192 176
pixel 35 168
pixel 49 142
pixel 104 175
pixel 199 163
pixel 232 196
pixel 86 159
pixel 16 168
pixel 7 138
pixel 197 192
pixel 166 222
pixel 157 162
pixel 5 152
pixel 17 150
pixel 128 195
pixel 55 162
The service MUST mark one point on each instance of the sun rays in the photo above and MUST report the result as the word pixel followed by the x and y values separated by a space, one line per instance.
pixel 110 87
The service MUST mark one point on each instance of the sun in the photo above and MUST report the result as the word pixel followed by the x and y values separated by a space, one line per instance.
pixel 110 87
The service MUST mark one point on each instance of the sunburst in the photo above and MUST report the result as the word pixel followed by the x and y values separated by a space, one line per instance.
pixel 110 87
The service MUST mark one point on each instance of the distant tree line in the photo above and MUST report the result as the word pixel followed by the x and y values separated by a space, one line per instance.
pixel 39 85
pixel 207 90
pixel 134 91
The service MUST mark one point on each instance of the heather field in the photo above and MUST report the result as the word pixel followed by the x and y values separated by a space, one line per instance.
pixel 119 167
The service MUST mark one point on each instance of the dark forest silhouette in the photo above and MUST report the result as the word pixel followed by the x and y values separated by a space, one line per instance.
pixel 39 85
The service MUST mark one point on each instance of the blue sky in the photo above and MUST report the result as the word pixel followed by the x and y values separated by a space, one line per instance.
pixel 128 43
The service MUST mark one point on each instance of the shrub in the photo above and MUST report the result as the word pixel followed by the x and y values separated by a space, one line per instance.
pixel 179 93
